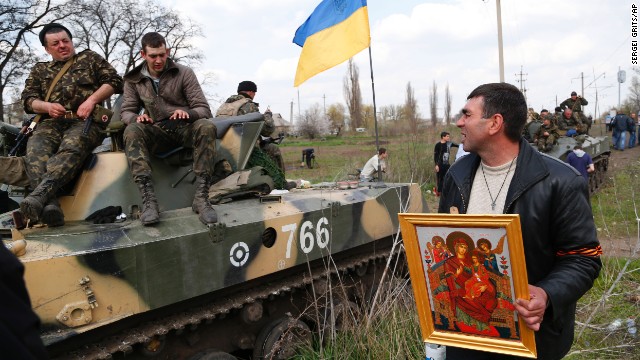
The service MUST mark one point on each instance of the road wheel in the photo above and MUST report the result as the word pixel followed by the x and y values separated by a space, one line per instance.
pixel 279 339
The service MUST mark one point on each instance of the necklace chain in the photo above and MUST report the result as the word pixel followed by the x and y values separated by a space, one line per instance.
pixel 493 201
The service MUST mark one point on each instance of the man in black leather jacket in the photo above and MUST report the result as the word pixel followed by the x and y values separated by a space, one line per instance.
pixel 561 249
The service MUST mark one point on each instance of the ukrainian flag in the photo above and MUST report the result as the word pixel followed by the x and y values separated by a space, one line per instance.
pixel 335 31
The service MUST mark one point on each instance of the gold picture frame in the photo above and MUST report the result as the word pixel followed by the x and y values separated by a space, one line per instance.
pixel 486 278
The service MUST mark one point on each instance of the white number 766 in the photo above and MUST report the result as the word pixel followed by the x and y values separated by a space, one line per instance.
pixel 307 238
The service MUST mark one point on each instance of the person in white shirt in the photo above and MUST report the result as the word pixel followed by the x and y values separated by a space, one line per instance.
pixel 371 167
pixel 461 152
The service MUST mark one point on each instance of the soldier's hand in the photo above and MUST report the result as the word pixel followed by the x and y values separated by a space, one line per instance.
pixel 56 110
pixel 179 114
pixel 86 108
pixel 144 119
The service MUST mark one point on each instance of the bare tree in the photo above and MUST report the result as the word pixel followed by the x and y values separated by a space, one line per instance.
pixel 447 105
pixel 391 112
pixel 433 104
pixel 336 117
pixel 352 94
pixel 367 116
pixel 410 108
pixel 17 19
pixel 113 28
pixel 634 90
pixel 312 123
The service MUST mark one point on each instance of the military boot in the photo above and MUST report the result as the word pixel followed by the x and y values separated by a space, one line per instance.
pixel 33 204
pixel 150 213
pixel 201 205
pixel 52 213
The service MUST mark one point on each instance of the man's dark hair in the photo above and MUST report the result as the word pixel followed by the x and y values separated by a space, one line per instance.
pixel 443 134
pixel 152 39
pixel 506 100
pixel 382 151
pixel 52 28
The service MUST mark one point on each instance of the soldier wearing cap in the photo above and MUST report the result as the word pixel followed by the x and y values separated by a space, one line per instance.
pixel 547 134
pixel 575 103
pixel 58 147
pixel 242 104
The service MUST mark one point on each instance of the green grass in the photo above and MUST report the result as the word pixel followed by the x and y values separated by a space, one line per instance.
pixel 410 157
pixel 615 207
pixel 393 333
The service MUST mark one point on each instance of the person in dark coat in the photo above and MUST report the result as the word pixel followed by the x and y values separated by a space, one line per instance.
pixel 19 325
pixel 505 175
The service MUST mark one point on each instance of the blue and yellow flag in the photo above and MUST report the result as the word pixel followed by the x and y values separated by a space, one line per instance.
pixel 335 31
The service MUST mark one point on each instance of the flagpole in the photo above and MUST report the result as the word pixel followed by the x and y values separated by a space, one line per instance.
pixel 375 118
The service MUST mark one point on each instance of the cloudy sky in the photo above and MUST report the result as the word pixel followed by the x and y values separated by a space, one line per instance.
pixel 450 42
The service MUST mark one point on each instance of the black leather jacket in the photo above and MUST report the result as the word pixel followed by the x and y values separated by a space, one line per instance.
pixel 558 234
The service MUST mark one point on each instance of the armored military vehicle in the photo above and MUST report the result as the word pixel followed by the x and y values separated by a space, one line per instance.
pixel 599 148
pixel 186 290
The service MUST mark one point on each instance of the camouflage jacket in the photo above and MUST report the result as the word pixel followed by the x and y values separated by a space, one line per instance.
pixel 251 107
pixel 178 89
pixel 565 123
pixel 88 72
pixel 574 105
pixel 551 129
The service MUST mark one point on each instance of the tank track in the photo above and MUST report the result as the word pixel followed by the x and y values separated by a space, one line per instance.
pixel 124 341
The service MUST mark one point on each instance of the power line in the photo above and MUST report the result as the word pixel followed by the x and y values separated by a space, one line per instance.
pixel 522 80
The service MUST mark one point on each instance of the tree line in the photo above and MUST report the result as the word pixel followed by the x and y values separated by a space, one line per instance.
pixel 392 118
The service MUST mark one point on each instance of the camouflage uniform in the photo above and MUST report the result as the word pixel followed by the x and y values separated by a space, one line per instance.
pixel 572 123
pixel 269 127
pixel 574 105
pixel 545 142
pixel 578 115
pixel 530 129
pixel 57 148
pixel 14 171
pixel 142 140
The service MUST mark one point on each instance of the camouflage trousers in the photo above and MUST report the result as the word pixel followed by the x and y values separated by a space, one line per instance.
pixel 546 142
pixel 57 149
pixel 14 171
pixel 274 153
pixel 143 140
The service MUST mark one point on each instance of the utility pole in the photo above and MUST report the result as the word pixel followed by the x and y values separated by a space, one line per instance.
pixel 500 55
pixel 291 113
pixel 324 105
pixel 299 102
pixel 523 88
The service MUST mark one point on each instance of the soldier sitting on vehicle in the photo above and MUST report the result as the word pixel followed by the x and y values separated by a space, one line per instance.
pixel 547 134
pixel 557 115
pixel 570 125
pixel 531 128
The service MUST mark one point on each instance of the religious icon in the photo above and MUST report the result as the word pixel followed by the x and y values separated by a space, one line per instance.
pixel 469 273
